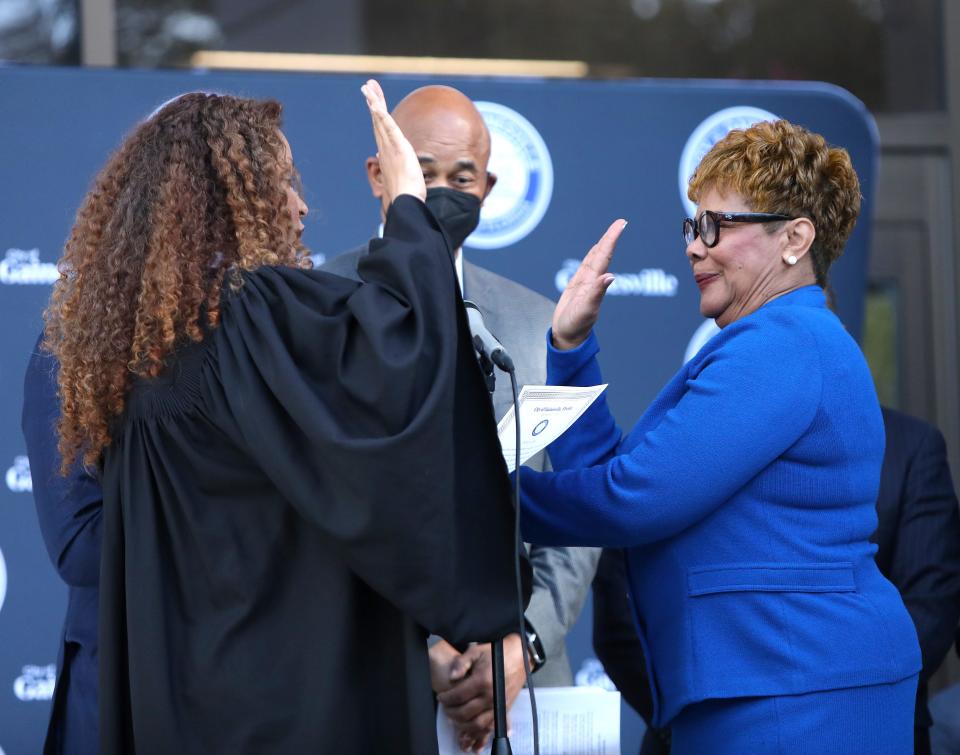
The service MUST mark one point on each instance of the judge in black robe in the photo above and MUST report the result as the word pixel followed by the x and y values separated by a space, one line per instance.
pixel 294 504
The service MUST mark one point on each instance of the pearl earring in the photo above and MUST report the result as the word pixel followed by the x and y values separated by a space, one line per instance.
pixel 791 260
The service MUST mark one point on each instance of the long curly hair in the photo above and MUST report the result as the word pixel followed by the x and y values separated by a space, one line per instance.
pixel 779 167
pixel 194 195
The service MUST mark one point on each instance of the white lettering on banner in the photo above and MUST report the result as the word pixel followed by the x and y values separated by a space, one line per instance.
pixel 648 282
pixel 36 683
pixel 18 476
pixel 592 674
pixel 23 267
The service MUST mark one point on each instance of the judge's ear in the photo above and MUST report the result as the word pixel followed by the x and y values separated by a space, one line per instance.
pixel 799 234
pixel 491 182
pixel 374 177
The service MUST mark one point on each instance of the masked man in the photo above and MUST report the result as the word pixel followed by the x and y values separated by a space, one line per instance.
pixel 453 145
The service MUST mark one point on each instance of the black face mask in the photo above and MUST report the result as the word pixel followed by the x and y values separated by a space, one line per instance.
pixel 457 212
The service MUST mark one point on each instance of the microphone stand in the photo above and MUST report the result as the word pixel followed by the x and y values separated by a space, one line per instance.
pixel 501 743
pixel 492 353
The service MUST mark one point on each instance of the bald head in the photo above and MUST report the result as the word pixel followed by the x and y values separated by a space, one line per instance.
pixel 450 138
pixel 439 113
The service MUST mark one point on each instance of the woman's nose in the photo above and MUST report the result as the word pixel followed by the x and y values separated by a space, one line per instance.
pixel 696 250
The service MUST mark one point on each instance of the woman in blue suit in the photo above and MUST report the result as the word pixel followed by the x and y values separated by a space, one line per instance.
pixel 745 495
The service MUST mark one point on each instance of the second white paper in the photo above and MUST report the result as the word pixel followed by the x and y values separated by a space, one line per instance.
pixel 572 721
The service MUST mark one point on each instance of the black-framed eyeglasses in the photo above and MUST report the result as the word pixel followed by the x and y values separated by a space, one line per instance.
pixel 707 226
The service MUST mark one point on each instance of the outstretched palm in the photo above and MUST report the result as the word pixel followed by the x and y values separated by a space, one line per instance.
pixel 579 305
pixel 400 167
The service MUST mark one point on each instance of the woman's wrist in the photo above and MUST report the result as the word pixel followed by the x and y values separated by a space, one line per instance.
pixel 564 365
pixel 566 344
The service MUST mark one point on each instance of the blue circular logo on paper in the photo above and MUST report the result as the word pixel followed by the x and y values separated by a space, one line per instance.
pixel 524 170
pixel 541 426
pixel 708 133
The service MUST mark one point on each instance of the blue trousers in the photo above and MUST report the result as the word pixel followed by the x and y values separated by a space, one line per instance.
pixel 874 720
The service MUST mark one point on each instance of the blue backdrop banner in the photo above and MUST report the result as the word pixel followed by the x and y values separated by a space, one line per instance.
pixel 570 155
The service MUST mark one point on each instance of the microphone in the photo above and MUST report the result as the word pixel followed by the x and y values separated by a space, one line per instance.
pixel 484 341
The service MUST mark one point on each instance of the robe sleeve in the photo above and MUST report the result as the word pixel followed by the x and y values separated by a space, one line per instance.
pixel 749 402
pixel 364 405
pixel 69 508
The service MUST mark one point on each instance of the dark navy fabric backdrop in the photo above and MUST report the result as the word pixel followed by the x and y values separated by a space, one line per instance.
pixel 575 154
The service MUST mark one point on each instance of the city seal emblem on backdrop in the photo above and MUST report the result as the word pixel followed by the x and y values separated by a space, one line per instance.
pixel 3 580
pixel 708 133
pixel 18 477
pixel 521 161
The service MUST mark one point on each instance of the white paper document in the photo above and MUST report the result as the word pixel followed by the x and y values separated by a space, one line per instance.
pixel 546 411
pixel 572 720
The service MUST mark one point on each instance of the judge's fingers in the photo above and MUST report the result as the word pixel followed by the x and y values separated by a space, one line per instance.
pixel 377 91
pixel 378 112
pixel 374 95
pixel 387 131
pixel 398 161
pixel 373 106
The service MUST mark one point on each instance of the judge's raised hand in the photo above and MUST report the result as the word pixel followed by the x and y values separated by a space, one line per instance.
pixel 399 165
pixel 579 305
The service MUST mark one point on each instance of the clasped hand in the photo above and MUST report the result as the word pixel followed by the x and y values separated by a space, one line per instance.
pixel 464 686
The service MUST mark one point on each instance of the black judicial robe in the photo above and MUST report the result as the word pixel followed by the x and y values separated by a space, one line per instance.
pixel 294 504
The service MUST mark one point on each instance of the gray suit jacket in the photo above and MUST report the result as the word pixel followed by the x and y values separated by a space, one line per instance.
pixel 520 317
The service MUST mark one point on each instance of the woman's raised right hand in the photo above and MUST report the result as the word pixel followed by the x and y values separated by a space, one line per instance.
pixel 399 166
pixel 579 305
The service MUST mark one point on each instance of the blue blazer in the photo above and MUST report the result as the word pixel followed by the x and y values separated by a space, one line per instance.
pixel 69 510
pixel 745 497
